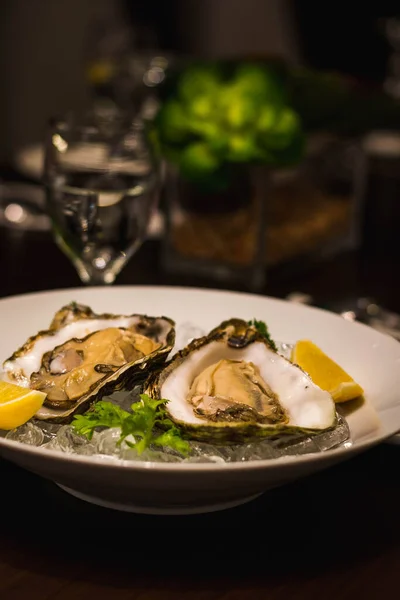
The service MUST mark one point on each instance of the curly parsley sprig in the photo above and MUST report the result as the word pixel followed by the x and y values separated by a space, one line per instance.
pixel 148 416
pixel 262 328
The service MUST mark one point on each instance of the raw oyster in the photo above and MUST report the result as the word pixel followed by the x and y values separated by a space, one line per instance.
pixel 84 356
pixel 231 386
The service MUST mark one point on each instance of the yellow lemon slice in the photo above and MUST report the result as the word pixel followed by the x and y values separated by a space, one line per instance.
pixel 327 374
pixel 18 404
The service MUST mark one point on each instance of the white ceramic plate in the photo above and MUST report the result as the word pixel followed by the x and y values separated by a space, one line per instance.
pixel 371 357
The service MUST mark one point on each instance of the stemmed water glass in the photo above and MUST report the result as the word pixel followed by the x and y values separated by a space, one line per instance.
pixel 102 186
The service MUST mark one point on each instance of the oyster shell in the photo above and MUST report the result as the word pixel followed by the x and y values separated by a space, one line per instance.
pixel 232 385
pixel 84 356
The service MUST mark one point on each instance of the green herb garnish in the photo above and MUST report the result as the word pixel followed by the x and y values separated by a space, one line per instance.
pixel 144 423
pixel 262 328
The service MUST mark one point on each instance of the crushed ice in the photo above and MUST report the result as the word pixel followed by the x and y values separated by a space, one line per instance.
pixel 105 444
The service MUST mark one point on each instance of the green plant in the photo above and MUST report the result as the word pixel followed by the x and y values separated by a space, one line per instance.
pixel 218 116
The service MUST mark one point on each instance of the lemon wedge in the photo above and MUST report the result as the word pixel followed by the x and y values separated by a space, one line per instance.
pixel 324 372
pixel 18 404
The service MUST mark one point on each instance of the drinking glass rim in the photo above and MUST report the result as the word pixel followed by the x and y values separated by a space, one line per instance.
pixel 90 124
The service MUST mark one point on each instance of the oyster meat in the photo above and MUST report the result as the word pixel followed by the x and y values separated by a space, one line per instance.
pixel 232 385
pixel 84 356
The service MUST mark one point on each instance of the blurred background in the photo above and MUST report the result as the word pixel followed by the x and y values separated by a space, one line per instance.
pixel 46 45
pixel 318 178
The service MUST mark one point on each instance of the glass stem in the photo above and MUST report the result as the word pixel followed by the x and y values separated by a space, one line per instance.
pixel 100 278
pixel 95 276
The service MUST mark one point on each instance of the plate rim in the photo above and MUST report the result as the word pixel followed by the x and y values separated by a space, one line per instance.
pixel 280 301
pixel 195 289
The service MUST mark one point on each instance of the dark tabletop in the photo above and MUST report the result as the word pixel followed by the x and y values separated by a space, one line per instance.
pixel 335 534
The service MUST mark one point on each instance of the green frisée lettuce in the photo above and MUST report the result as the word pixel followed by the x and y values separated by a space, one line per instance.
pixel 148 424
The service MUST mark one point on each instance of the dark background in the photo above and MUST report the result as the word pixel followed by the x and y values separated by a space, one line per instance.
pixel 44 45
pixel 345 36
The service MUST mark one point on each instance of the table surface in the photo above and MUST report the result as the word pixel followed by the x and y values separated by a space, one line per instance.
pixel 335 534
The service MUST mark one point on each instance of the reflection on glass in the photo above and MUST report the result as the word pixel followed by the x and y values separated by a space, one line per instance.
pixel 102 188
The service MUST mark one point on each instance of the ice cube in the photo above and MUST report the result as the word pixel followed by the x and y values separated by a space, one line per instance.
pixel 204 459
pixel 148 455
pixel 206 452
pixel 27 434
pixel 336 437
pixel 254 451
pixel 106 441
pixel 50 430
pixel 71 442
pixel 186 333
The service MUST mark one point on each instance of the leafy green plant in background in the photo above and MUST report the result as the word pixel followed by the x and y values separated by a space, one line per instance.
pixel 217 117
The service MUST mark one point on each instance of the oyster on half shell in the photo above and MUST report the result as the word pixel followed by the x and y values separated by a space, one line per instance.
pixel 231 386
pixel 84 356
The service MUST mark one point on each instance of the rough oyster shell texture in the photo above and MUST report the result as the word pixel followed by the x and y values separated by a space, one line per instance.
pixel 232 386
pixel 84 356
